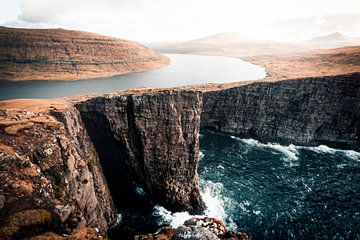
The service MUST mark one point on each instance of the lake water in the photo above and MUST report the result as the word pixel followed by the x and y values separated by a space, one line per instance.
pixel 183 70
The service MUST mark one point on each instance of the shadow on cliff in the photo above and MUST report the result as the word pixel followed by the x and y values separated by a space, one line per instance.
pixel 131 202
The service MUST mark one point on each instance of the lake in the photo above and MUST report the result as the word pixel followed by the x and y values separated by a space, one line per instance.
pixel 183 70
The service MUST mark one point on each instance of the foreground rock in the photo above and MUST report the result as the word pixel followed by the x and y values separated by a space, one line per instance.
pixel 58 54
pixel 50 175
pixel 196 229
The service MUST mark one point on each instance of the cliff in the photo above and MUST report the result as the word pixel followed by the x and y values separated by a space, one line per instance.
pixel 49 164
pixel 309 111
pixel 51 178
pixel 158 134
pixel 58 54
pixel 53 153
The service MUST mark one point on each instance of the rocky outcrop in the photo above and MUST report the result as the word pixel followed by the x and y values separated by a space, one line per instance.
pixel 159 137
pixel 196 229
pixel 308 111
pixel 50 175
pixel 58 54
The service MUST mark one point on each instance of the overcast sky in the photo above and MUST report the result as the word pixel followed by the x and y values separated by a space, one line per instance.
pixel 162 20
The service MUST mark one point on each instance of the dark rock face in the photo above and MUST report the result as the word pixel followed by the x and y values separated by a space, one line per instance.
pixel 309 111
pixel 48 166
pixel 158 134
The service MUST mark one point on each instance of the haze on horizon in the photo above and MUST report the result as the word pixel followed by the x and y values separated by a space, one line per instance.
pixel 168 20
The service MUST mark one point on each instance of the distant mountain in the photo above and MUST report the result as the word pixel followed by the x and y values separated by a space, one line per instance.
pixel 336 36
pixel 223 38
pixel 234 44
pixel 332 40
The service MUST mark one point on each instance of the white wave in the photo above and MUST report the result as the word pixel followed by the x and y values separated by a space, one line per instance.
pixel 212 196
pixel 290 152
pixel 352 154
pixel 325 149
pixel 118 220
pixel 201 155
pixel 320 149
pixel 173 219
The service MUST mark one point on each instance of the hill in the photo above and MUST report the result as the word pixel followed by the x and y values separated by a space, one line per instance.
pixel 58 54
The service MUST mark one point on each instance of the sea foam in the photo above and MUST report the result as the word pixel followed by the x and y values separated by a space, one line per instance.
pixel 212 196
pixel 291 151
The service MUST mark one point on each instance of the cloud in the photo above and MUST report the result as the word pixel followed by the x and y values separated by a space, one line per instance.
pixel 42 11
pixel 145 20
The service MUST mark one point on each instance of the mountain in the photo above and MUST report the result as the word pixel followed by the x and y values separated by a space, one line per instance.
pixel 234 44
pixel 223 38
pixel 332 40
pixel 59 54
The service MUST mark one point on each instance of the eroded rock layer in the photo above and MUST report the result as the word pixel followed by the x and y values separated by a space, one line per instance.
pixel 310 111
pixel 58 54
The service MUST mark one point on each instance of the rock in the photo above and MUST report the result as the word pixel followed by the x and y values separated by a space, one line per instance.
pixel 42 183
pixel 234 235
pixel 73 222
pixel 309 111
pixel 205 228
pixel 2 201
pixel 167 170
pixel 165 233
pixel 63 212
pixel 66 231
pixel 213 225
pixel 193 233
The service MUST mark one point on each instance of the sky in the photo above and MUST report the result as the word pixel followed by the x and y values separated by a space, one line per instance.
pixel 172 20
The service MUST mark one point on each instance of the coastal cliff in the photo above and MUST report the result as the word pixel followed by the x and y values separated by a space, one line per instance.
pixel 58 54
pixel 309 111
pixel 50 165
pixel 158 134
pixel 54 152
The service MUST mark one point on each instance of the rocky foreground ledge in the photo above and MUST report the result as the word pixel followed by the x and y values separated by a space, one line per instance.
pixel 52 171
pixel 59 54
pixel 196 229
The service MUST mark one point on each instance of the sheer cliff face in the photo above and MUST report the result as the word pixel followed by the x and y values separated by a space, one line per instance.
pixel 51 177
pixel 57 54
pixel 158 134
pixel 309 111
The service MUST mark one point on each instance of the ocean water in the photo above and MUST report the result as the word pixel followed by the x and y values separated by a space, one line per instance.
pixel 185 69
pixel 269 191
pixel 283 192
